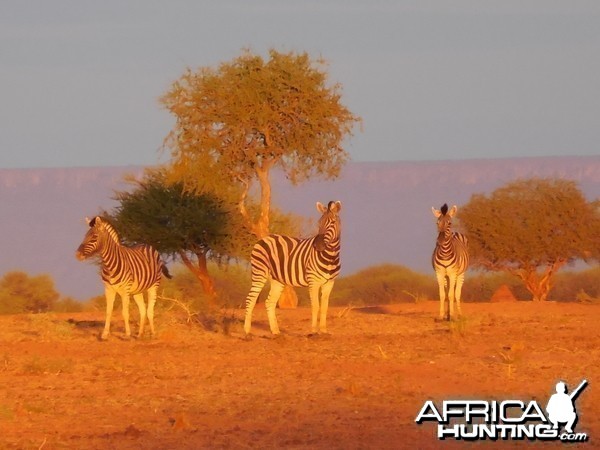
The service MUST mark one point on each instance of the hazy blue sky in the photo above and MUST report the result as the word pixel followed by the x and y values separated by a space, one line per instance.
pixel 80 80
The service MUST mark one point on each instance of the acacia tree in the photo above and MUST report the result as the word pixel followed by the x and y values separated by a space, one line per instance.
pixel 190 227
pixel 236 123
pixel 193 228
pixel 530 228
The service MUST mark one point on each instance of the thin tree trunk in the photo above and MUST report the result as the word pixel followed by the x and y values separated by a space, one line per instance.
pixel 262 224
pixel 200 270
pixel 289 298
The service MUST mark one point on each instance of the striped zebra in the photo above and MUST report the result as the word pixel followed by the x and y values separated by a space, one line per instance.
pixel 125 271
pixel 450 260
pixel 312 262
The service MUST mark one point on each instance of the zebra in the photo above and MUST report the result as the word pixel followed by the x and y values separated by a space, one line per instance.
pixel 125 271
pixel 450 260
pixel 313 262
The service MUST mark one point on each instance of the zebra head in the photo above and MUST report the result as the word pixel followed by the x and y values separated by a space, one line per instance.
pixel 329 226
pixel 93 239
pixel 444 221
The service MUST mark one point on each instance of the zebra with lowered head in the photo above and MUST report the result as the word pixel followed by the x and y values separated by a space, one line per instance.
pixel 450 260
pixel 313 262
pixel 125 271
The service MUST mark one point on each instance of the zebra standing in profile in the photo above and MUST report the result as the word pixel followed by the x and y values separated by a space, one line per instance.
pixel 312 262
pixel 125 271
pixel 450 260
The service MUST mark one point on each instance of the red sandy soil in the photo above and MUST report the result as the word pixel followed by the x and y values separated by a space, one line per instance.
pixel 359 388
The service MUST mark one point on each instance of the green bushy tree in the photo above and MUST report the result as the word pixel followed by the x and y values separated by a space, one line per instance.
pixel 193 228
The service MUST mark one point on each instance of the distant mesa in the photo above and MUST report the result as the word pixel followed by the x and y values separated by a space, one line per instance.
pixel 386 213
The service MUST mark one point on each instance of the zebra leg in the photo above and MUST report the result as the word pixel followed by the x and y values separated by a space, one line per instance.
pixel 441 279
pixel 151 301
pixel 459 284
pixel 451 295
pixel 110 294
pixel 139 300
pixel 125 300
pixel 325 292
pixel 313 292
pixel 271 302
pixel 257 286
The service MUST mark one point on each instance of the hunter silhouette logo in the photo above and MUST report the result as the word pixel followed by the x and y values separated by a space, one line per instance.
pixel 507 419
pixel 561 408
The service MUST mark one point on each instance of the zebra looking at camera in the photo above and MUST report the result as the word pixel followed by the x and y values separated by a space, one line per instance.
pixel 125 271
pixel 450 260
pixel 312 262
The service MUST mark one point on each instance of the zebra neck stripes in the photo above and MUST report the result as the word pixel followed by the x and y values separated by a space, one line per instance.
pixel 447 248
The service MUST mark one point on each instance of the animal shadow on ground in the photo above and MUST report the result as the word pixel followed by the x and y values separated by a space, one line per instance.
pixel 86 324
pixel 378 309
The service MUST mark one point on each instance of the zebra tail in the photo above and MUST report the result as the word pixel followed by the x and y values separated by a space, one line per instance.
pixel 165 271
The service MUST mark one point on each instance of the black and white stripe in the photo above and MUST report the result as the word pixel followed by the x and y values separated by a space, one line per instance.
pixel 312 262
pixel 125 271
pixel 450 260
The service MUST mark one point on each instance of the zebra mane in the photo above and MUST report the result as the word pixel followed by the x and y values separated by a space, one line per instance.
pixel 444 209
pixel 108 227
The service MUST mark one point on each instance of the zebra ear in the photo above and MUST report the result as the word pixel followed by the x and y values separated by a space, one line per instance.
pixel 335 206
pixel 437 213
pixel 452 211
pixel 93 222
pixel 321 208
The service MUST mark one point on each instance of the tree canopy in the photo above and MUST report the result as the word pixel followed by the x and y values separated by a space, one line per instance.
pixel 193 228
pixel 237 122
pixel 181 224
pixel 531 228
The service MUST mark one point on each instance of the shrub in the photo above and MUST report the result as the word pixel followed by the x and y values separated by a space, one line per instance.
pixel 383 284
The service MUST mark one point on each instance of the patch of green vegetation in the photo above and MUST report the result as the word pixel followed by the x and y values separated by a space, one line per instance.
pixel 6 412
pixel 39 366
pixel 47 325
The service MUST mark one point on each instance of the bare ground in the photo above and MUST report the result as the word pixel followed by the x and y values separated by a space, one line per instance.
pixel 359 388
